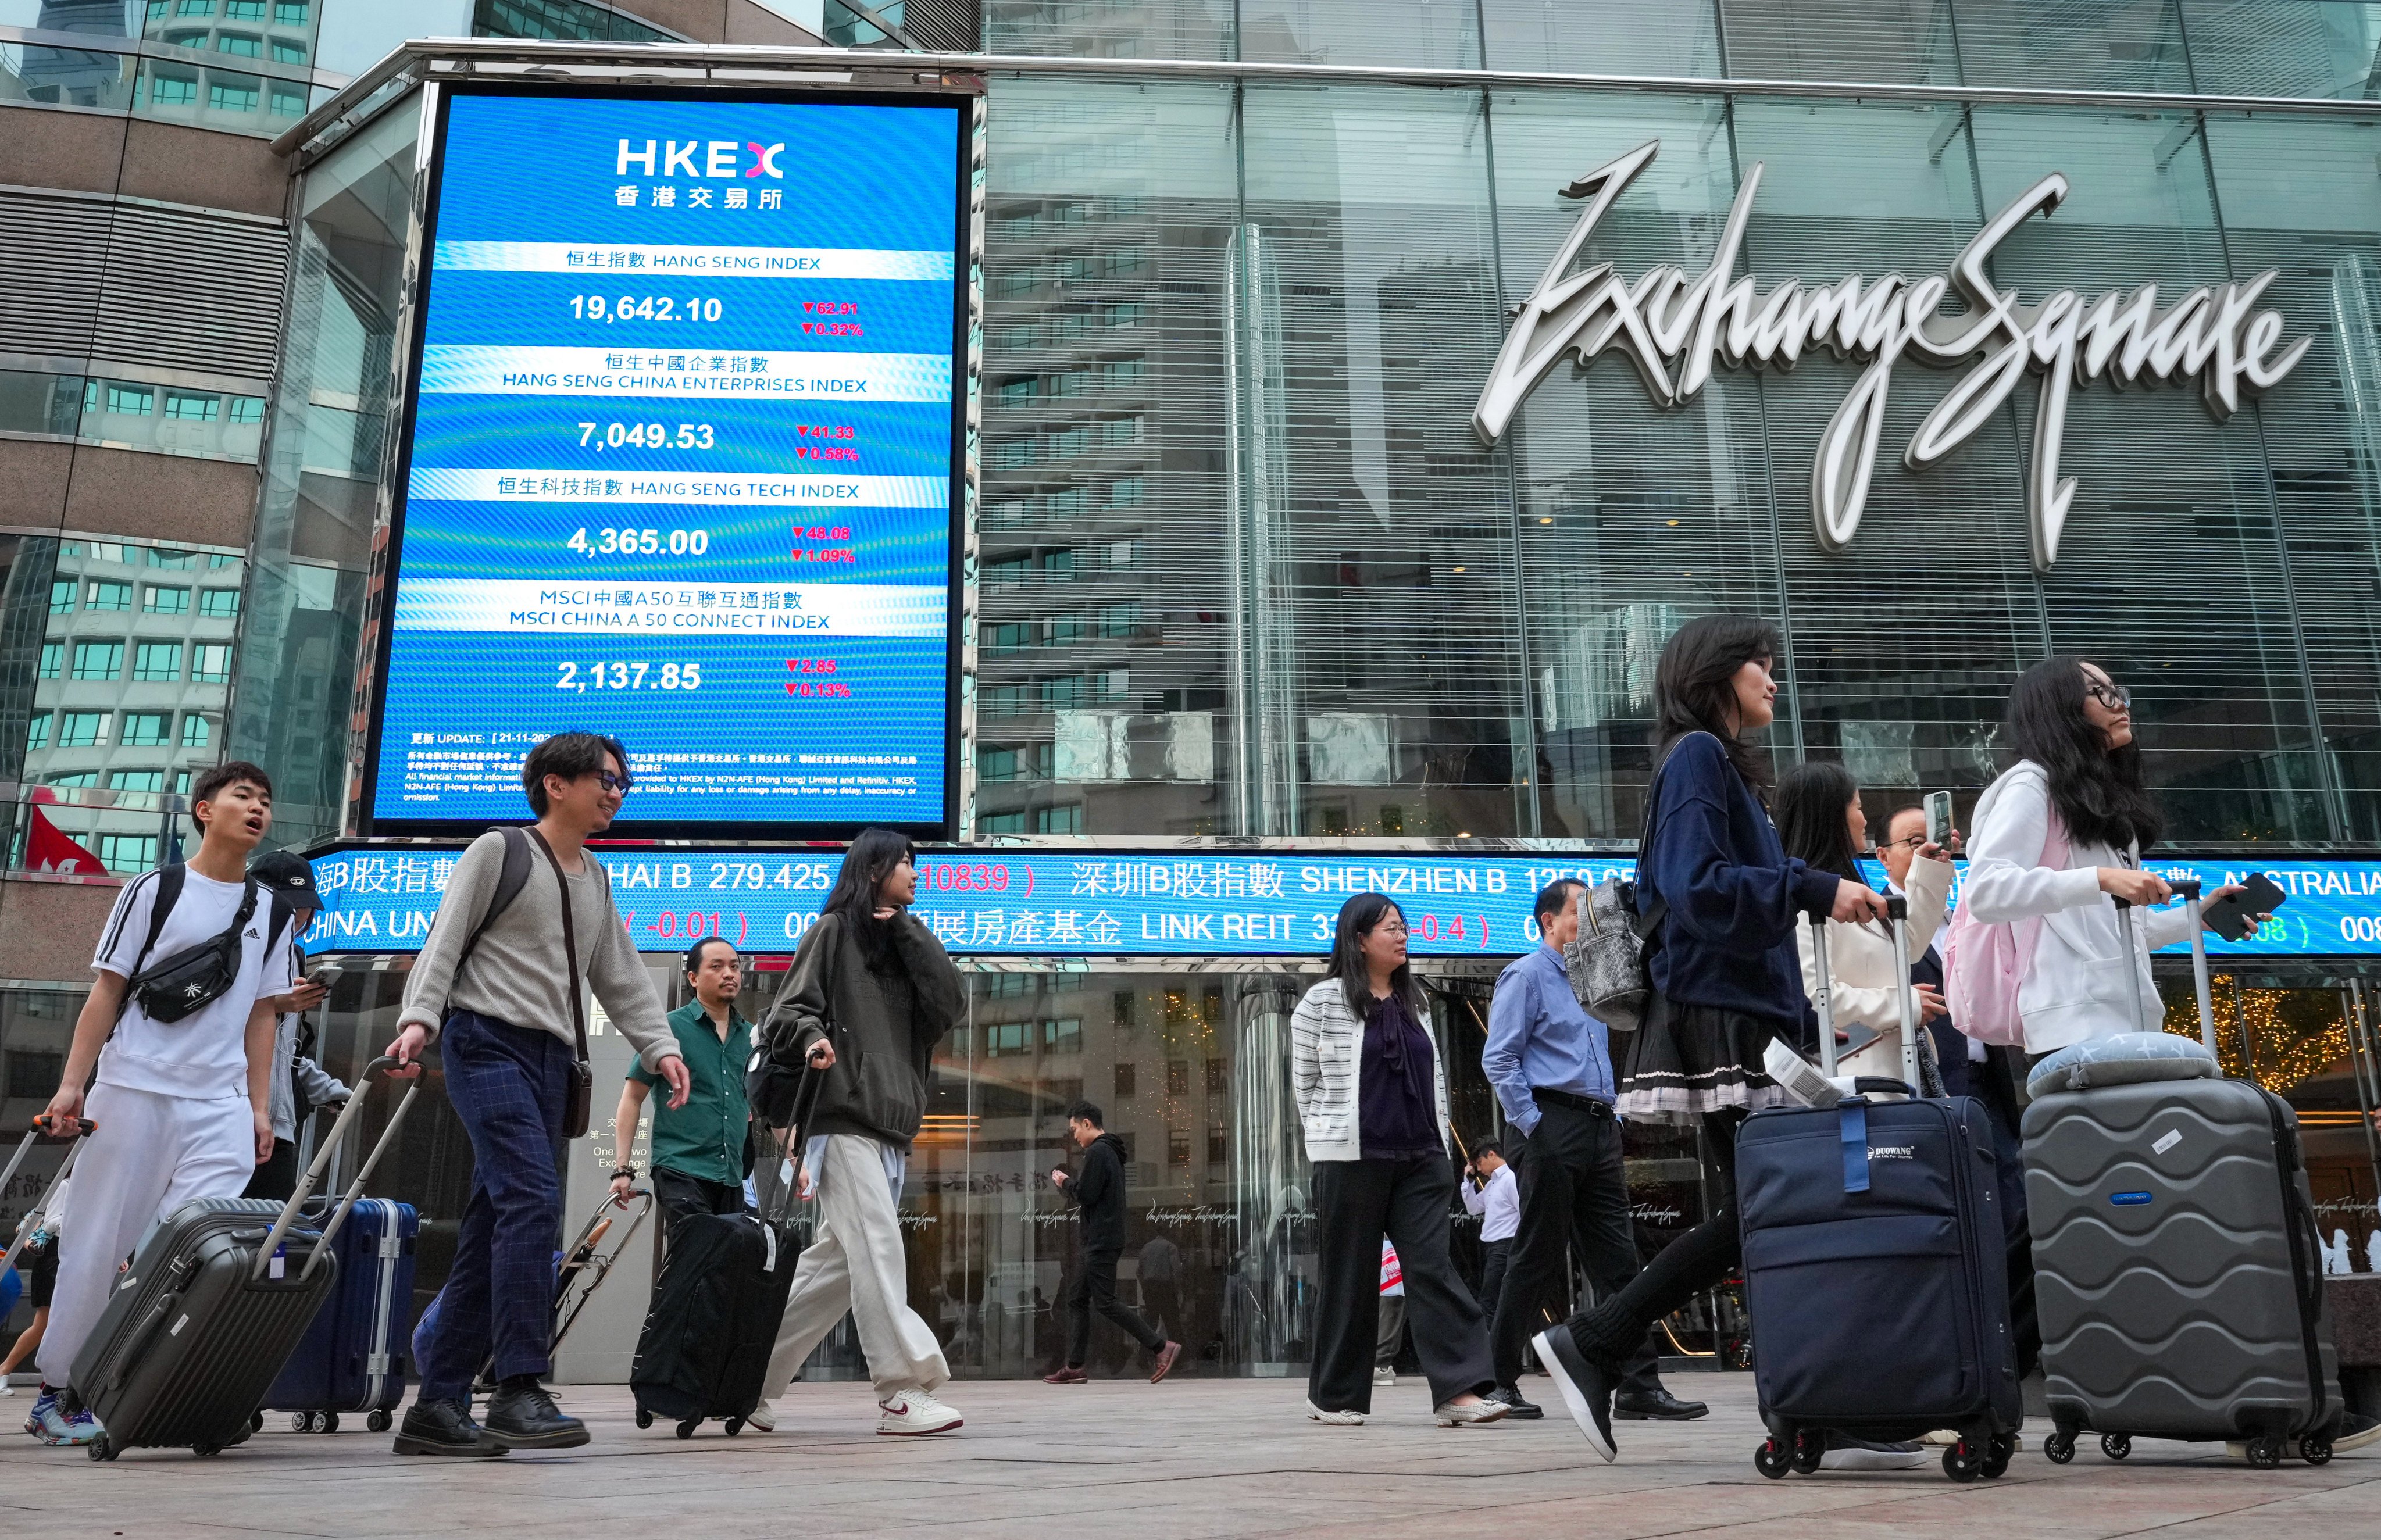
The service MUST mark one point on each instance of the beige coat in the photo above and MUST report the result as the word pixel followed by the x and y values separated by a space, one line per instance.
pixel 1860 969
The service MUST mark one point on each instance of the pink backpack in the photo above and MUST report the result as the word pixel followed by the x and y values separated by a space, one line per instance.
pixel 1984 963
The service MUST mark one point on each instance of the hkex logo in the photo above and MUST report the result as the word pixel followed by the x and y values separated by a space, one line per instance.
pixel 718 159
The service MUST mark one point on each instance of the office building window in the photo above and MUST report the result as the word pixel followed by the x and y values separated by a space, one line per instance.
pixel 53 659
pixel 100 595
pixel 73 782
pixel 210 663
pixel 165 600
pixel 1219 1145
pixel 125 400
pixel 1178 1140
pixel 195 7
pixel 1178 1077
pixel 288 103
pixel 128 852
pixel 157 662
pixel 80 730
pixel 147 729
pixel 182 406
pixel 290 13
pixel 219 603
pixel 218 560
pixel 182 783
pixel 197 732
pixel 172 90
pixel 178 561
pixel 285 52
pixel 62 596
pixel 1063 1037
pixel 158 8
pixel 250 408
pixel 135 780
pixel 98 660
pixel 1219 1076
pixel 245 47
pixel 1124 1083
pixel 231 96
pixel 36 732
pixel 244 10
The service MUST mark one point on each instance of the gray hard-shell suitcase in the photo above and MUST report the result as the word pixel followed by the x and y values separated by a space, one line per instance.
pixel 213 1305
pixel 2176 1272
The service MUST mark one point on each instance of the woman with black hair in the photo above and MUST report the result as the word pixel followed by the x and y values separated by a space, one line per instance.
pixel 870 994
pixel 1821 824
pixel 1723 898
pixel 2059 835
pixel 1372 1096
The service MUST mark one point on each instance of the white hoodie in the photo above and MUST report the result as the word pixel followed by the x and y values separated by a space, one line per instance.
pixel 2076 987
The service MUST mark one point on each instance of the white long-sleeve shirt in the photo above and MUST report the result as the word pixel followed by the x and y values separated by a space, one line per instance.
pixel 1861 987
pixel 1498 1205
pixel 2079 983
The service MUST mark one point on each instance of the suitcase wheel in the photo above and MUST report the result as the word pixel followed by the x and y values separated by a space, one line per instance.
pixel 735 1426
pixel 326 1421
pixel 205 1452
pixel 686 1429
pixel 2059 1448
pixel 2315 1451
pixel 2117 1446
pixel 256 1422
pixel 1771 1460
pixel 301 1422
pixel 378 1420
pixel 644 1418
pixel 2265 1453
pixel 1997 1455
pixel 1963 1461
pixel 1810 1448
pixel 100 1448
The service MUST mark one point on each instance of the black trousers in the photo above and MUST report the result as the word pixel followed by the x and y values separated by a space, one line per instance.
pixel 277 1178
pixel 1497 1258
pixel 1096 1289
pixel 1701 1259
pixel 1574 1193
pixel 679 1194
pixel 1356 1203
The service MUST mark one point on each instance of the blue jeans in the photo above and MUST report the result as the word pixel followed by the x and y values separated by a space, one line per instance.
pixel 511 1087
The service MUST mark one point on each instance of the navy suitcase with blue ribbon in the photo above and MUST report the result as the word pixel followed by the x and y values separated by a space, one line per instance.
pixel 355 1356
pixel 1877 1277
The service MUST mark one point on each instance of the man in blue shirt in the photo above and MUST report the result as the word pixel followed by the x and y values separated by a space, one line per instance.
pixel 1551 1070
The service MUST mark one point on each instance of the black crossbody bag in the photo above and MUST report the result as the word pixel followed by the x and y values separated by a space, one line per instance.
pixel 181 986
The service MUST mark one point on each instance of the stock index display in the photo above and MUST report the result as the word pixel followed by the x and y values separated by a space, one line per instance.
pixel 681 462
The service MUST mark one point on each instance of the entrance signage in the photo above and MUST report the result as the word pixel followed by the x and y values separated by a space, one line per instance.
pixel 1194 903
pixel 1673 326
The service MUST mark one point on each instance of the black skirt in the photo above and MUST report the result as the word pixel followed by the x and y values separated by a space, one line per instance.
pixel 1686 1060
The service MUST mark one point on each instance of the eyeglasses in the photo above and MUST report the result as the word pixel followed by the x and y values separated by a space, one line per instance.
pixel 1912 840
pixel 611 782
pixel 1391 927
pixel 2116 697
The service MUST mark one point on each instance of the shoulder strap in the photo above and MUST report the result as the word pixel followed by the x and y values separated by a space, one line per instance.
pixel 1649 924
pixel 569 939
pixel 510 879
pixel 161 904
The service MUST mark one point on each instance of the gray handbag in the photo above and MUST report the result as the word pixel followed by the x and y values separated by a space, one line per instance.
pixel 1607 959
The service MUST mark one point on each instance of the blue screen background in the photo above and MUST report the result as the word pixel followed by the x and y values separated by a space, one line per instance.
pixel 595 361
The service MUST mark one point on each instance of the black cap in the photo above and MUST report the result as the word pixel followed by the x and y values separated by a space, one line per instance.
pixel 286 875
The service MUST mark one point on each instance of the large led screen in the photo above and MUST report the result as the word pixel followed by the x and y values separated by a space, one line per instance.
pixel 682 461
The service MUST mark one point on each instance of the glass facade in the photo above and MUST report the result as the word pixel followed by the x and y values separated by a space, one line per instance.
pixel 1245 571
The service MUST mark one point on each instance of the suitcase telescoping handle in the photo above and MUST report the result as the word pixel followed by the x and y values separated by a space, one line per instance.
pixel 1896 913
pixel 322 1160
pixel 806 1095
pixel 2132 964
pixel 41 1132
pixel 2188 888
pixel 1825 997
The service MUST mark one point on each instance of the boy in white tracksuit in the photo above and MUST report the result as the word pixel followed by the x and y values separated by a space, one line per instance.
pixel 182 1108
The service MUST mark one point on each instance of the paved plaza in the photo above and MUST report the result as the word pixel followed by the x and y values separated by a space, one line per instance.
pixel 1132 1462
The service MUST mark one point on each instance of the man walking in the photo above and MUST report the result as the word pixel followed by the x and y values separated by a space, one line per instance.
pixel 300 1085
pixel 1493 1193
pixel 1099 1193
pixel 698 1149
pixel 496 987
pixel 1551 1070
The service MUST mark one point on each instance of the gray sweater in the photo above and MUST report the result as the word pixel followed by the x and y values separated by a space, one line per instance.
pixel 517 972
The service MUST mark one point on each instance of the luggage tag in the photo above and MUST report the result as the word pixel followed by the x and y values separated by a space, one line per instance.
pixel 279 1265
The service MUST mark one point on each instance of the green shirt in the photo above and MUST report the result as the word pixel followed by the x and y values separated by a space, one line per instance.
pixel 705 1137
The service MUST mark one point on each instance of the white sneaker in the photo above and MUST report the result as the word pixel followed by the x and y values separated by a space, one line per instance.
pixel 1384 1376
pixel 763 1417
pixel 1472 1414
pixel 1335 1419
pixel 913 1411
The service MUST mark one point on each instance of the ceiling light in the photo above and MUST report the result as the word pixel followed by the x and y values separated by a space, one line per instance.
pixel 1459 569
pixel 1674 524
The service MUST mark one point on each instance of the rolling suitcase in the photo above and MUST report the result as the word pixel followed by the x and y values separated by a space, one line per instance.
pixel 1875 1271
pixel 2177 1273
pixel 355 1356
pixel 213 1305
pixel 31 1220
pixel 707 1340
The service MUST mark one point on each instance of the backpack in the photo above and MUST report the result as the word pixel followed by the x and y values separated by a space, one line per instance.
pixel 1607 961
pixel 1984 964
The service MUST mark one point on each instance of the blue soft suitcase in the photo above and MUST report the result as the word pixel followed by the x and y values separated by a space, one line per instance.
pixel 355 1356
pixel 1875 1272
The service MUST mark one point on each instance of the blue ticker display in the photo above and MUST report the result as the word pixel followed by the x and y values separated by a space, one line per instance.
pixel 681 461
pixel 1042 903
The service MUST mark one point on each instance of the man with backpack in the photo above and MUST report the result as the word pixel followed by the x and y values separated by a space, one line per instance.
pixel 526 914
pixel 182 1005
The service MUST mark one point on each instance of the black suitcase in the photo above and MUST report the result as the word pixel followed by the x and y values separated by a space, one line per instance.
pixel 211 1309
pixel 716 1308
pixel 1875 1271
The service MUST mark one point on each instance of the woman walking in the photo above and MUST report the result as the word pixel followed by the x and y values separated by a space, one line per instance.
pixel 1821 824
pixel 1372 1096
pixel 1725 899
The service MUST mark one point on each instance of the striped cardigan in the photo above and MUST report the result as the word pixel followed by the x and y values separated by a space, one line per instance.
pixel 1326 1045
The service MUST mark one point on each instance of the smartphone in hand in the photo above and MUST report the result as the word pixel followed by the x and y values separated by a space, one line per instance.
pixel 1938 818
pixel 2229 916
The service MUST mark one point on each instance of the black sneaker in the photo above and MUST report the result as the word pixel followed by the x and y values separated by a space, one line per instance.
pixel 522 1416
pixel 1515 1407
pixel 442 1428
pixel 1586 1390
pixel 1656 1405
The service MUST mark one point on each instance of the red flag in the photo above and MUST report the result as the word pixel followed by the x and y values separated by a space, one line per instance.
pixel 47 850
